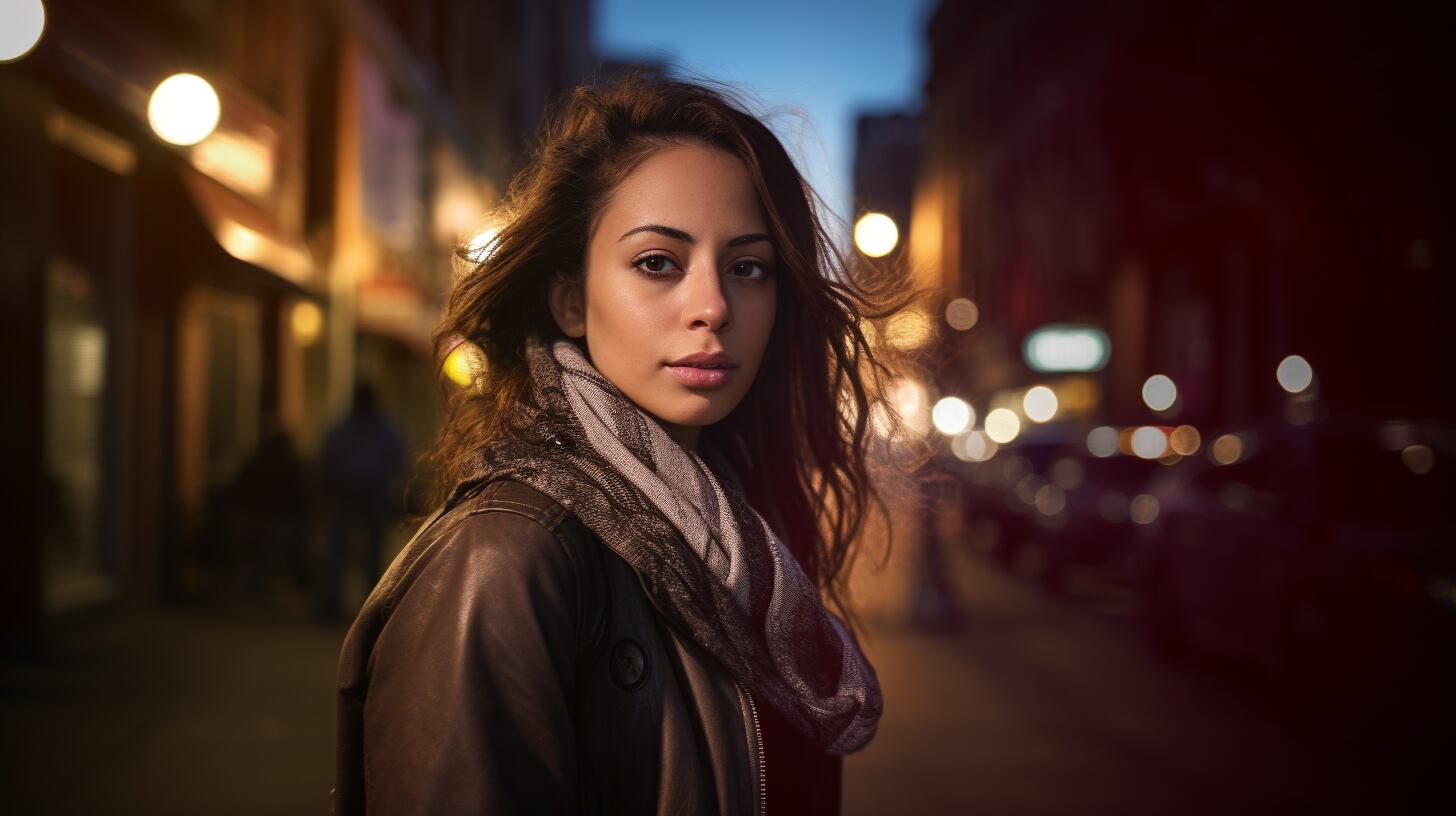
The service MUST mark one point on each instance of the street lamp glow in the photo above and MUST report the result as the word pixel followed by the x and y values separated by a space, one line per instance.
pixel 22 22
pixel 876 234
pixel 973 446
pixel 1149 442
pixel 1002 425
pixel 1040 404
pixel 184 109
pixel 951 415
pixel 1294 374
pixel 1159 392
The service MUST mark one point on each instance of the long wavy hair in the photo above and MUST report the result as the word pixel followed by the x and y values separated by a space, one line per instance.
pixel 800 437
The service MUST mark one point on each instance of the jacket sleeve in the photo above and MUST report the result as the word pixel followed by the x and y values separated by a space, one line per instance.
pixel 469 707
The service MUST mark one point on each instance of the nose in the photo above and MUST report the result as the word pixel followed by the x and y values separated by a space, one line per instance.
pixel 707 306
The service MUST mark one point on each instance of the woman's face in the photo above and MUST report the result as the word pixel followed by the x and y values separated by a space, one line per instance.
pixel 679 293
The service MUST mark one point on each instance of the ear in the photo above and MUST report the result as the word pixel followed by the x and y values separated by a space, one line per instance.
pixel 567 299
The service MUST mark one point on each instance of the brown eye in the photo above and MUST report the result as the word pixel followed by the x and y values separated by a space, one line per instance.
pixel 654 265
pixel 752 270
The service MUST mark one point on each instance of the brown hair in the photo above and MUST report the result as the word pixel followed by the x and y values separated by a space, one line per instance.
pixel 799 438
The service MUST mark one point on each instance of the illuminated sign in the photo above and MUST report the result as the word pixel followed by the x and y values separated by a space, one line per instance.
pixel 1066 347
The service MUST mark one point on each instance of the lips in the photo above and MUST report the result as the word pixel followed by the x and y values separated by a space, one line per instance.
pixel 704 370
pixel 706 360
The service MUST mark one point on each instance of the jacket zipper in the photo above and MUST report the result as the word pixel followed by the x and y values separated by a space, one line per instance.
pixel 762 765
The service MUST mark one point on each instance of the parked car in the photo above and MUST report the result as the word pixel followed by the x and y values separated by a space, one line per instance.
pixel 1090 504
pixel 1322 555
pixel 1000 490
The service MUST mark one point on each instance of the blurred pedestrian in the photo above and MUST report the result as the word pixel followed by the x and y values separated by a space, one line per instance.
pixel 361 459
pixel 270 499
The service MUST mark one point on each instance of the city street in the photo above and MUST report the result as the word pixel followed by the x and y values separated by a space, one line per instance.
pixel 1037 706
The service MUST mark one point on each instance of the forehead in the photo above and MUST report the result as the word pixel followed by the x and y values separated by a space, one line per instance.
pixel 692 187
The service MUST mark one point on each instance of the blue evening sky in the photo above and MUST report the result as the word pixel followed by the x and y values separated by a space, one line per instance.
pixel 826 60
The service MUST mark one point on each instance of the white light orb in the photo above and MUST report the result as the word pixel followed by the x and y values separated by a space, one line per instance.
pixel 1149 442
pixel 951 415
pixel 876 234
pixel 1040 404
pixel 1102 441
pixel 22 22
pixel 184 109
pixel 1294 374
pixel 1159 392
pixel 1003 425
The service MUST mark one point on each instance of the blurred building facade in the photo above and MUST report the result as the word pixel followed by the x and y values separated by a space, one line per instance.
pixel 169 307
pixel 1215 185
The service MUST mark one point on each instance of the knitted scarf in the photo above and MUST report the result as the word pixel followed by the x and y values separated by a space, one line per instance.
pixel 710 563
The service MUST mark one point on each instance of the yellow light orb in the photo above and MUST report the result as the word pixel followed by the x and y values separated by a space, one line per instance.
pixel 306 320
pixel 1002 425
pixel 184 109
pixel 22 22
pixel 464 364
pixel 1419 458
pixel 1184 440
pixel 1226 449
pixel 876 234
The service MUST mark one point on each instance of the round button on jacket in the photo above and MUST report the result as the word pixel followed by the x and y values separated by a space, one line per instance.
pixel 628 664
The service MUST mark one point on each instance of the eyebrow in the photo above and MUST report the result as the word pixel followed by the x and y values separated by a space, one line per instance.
pixel 679 235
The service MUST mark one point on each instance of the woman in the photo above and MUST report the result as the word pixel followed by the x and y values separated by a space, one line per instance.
pixel 660 470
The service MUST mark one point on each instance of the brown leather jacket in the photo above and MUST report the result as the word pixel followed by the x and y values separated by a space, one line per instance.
pixel 509 662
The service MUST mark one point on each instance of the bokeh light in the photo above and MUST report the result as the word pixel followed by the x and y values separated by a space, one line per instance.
pixel 464 364
pixel 22 22
pixel 1102 441
pixel 1294 374
pixel 1159 392
pixel 961 314
pixel 1040 404
pixel 1003 425
pixel 1184 440
pixel 1149 442
pixel 306 320
pixel 1143 509
pixel 1419 458
pixel 1226 449
pixel 184 109
pixel 1067 473
pixel 951 415
pixel 876 234
pixel 1050 500
pixel 973 446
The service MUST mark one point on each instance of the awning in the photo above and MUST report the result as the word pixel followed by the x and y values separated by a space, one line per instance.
pixel 251 233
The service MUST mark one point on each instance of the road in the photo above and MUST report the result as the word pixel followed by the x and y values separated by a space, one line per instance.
pixel 1037 706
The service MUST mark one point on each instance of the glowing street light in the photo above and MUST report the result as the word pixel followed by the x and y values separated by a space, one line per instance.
pixel 951 415
pixel 1159 392
pixel 21 24
pixel 1294 374
pixel 1040 404
pixel 1002 425
pixel 184 109
pixel 876 234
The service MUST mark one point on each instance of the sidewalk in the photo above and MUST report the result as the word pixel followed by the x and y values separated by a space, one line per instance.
pixel 174 712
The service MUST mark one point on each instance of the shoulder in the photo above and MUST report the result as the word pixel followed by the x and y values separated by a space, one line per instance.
pixel 506 555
